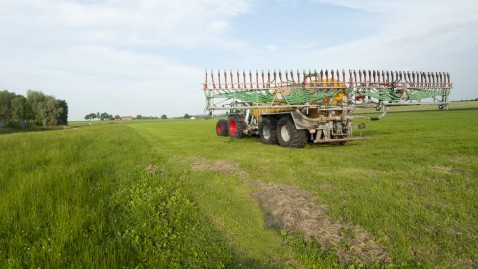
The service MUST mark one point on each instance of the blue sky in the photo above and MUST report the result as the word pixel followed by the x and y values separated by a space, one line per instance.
pixel 131 57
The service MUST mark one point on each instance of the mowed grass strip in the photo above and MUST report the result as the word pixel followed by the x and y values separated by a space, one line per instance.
pixel 90 198
pixel 412 185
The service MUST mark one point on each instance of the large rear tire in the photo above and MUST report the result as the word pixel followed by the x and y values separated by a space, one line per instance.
pixel 267 130
pixel 288 136
pixel 221 128
pixel 235 127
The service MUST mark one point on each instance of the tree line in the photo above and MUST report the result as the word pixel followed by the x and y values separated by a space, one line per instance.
pixel 102 116
pixel 106 116
pixel 36 108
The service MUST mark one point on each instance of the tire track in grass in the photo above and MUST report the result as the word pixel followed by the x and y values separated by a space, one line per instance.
pixel 291 209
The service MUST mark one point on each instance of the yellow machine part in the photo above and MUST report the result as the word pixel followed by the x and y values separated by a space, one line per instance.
pixel 313 113
pixel 338 97
pixel 258 112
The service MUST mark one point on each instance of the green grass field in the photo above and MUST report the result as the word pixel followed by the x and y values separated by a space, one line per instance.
pixel 171 194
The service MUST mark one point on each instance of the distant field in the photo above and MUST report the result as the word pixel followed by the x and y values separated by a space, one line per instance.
pixel 170 193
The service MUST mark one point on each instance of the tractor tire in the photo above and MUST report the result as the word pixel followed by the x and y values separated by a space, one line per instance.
pixel 288 136
pixel 221 128
pixel 267 130
pixel 235 127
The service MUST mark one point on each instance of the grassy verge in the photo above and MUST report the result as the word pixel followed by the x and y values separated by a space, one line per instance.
pixel 82 198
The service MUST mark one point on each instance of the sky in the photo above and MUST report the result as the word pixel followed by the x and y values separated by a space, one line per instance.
pixel 145 57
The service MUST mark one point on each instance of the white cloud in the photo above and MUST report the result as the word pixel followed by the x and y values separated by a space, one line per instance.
pixel 112 50
pixel 148 56
pixel 150 23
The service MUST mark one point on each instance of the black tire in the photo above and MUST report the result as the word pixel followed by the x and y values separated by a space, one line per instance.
pixel 221 128
pixel 267 130
pixel 288 136
pixel 236 128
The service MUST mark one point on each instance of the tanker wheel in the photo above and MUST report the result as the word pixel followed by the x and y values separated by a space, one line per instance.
pixel 289 136
pixel 268 130
pixel 235 127
pixel 221 128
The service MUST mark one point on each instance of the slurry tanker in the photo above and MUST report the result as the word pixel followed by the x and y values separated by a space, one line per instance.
pixel 293 108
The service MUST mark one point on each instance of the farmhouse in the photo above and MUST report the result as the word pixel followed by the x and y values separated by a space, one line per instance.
pixel 126 118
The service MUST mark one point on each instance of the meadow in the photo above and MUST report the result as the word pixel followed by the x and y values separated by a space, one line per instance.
pixel 172 194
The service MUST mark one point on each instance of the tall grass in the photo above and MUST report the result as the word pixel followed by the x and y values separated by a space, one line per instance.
pixel 54 190
pixel 82 198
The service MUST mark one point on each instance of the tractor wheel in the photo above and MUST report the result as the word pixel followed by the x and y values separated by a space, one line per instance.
pixel 267 130
pixel 221 128
pixel 288 135
pixel 235 127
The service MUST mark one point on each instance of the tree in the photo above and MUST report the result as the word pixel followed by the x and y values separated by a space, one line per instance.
pixel 6 98
pixel 52 111
pixel 19 108
pixel 44 108
pixel 187 116
pixel 35 101
pixel 90 116
pixel 63 118
pixel 138 117
pixel 164 116
pixel 104 116
pixel 117 117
